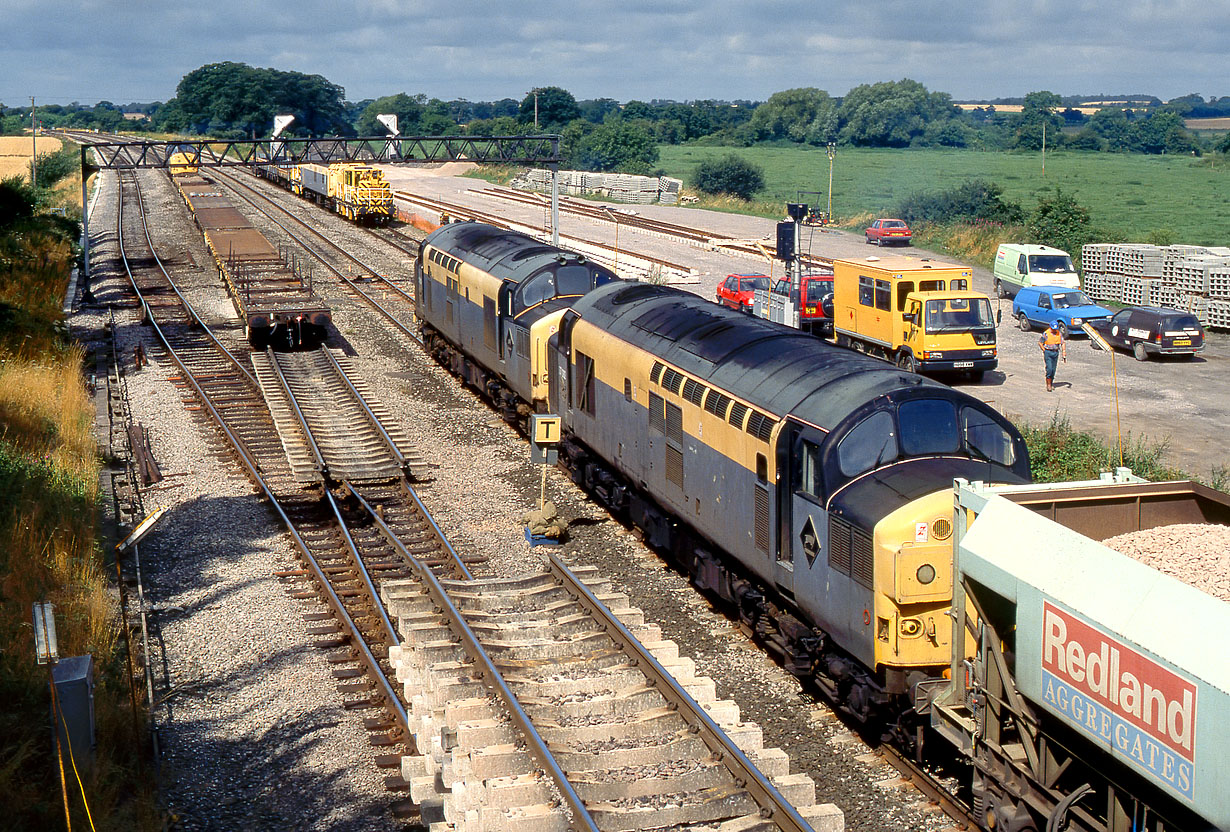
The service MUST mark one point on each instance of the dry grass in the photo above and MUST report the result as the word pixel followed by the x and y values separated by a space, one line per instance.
pixel 1208 123
pixel 49 552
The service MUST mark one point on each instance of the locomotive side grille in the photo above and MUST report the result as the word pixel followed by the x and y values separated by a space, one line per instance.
pixel 839 545
pixel 674 424
pixel 523 343
pixel 657 413
pixel 737 411
pixel 671 380
pixel 862 561
pixel 760 426
pixel 674 466
pixel 655 375
pixel 694 391
pixel 761 531
pixel 717 403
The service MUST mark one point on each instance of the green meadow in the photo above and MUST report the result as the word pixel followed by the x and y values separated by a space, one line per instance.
pixel 1132 197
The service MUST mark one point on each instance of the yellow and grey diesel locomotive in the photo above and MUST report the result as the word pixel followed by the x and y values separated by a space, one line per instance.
pixel 490 299
pixel 814 484
pixel 807 485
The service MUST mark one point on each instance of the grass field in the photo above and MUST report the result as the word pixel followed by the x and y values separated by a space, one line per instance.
pixel 1131 196
pixel 15 154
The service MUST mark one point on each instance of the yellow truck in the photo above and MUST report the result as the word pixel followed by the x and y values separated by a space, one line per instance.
pixel 920 314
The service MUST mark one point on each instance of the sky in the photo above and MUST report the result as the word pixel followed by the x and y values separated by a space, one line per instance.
pixel 137 51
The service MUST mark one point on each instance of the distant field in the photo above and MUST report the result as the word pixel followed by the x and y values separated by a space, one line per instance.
pixel 1132 194
pixel 15 154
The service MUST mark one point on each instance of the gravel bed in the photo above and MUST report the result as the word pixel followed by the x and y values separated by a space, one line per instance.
pixel 223 606
pixel 250 724
pixel 1197 554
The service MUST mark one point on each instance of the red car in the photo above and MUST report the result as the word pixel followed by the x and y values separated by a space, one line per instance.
pixel 736 290
pixel 888 231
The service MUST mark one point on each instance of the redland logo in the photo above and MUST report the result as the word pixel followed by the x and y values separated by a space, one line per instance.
pixel 1142 709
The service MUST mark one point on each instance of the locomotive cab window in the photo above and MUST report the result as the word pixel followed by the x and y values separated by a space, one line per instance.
pixel 572 280
pixel 539 288
pixel 870 443
pixel 928 426
pixel 985 438
pixel 808 470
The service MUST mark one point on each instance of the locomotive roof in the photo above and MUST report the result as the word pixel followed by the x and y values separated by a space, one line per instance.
pixel 504 254
pixel 780 370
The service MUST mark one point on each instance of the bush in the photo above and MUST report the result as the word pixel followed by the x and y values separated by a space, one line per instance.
pixel 975 199
pixel 1058 453
pixel 732 174
pixel 1062 222
pixel 52 167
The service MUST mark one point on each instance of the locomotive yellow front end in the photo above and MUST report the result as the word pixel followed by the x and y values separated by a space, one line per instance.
pixel 913 585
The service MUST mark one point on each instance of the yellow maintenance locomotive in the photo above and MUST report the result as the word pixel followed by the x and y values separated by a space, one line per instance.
pixel 357 191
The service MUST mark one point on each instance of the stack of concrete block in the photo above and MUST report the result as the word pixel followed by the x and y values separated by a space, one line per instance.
pixel 621 187
pixel 1192 278
pixel 1218 314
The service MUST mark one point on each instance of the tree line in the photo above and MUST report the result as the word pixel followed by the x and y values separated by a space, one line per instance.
pixel 234 100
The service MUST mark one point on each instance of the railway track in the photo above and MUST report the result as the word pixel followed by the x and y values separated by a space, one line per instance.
pixel 349 543
pixel 597 213
pixel 392 298
pixel 364 535
pixel 547 691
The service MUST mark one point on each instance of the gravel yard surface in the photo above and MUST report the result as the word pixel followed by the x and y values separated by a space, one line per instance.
pixel 1195 553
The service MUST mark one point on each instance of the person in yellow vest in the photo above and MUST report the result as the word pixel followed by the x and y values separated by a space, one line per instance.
pixel 1053 346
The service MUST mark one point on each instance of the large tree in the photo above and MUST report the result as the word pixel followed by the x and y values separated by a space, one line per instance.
pixel 555 107
pixel 803 114
pixel 235 99
pixel 617 145
pixel 892 113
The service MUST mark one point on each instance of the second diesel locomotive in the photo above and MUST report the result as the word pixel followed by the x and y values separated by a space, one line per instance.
pixel 808 485
pixel 489 300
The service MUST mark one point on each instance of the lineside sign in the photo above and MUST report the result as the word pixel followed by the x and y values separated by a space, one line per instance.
pixel 1144 712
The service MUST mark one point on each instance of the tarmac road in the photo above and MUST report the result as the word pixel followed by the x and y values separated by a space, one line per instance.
pixel 1182 403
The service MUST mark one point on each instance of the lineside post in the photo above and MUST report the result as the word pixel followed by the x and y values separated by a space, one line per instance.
pixel 85 222
pixel 555 204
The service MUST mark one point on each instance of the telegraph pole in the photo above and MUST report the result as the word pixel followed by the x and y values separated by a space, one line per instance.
pixel 33 147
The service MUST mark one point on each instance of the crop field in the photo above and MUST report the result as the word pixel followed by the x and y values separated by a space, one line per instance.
pixel 1128 195
pixel 15 154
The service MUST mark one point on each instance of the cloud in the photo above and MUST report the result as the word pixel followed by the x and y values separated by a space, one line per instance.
pixel 680 49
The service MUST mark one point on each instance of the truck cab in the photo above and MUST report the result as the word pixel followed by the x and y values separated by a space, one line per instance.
pixel 919 314
pixel 808 306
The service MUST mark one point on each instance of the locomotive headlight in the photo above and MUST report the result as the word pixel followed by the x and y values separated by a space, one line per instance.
pixel 925 574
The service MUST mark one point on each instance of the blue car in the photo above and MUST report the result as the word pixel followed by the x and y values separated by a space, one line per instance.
pixel 1038 306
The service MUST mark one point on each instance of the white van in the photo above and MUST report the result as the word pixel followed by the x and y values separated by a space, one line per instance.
pixel 1018 265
